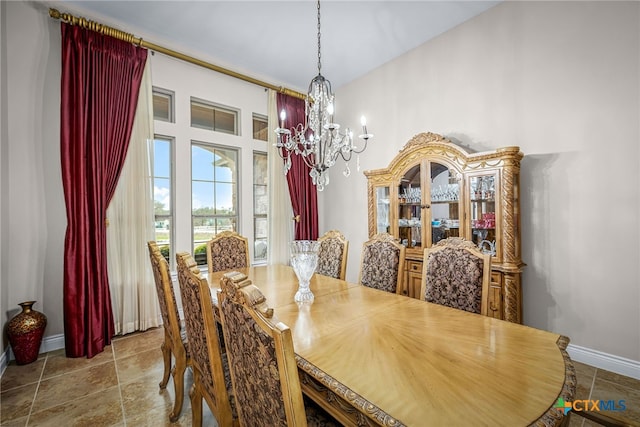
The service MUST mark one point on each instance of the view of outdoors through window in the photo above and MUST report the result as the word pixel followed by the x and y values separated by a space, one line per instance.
pixel 162 195
pixel 214 194
pixel 260 206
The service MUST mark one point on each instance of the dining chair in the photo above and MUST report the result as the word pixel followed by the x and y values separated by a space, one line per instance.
pixel 262 361
pixel 382 263
pixel 332 254
pixel 175 337
pixel 207 360
pixel 456 274
pixel 226 251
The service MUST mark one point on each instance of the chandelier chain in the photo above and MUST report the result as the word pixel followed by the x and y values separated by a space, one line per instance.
pixel 318 139
pixel 319 57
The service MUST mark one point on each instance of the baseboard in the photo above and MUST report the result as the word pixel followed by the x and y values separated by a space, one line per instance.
pixel 608 362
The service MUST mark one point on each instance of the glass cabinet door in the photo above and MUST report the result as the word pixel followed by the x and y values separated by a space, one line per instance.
pixel 482 194
pixel 445 202
pixel 409 209
pixel 382 209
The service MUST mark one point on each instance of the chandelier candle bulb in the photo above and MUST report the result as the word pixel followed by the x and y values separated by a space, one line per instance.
pixel 283 115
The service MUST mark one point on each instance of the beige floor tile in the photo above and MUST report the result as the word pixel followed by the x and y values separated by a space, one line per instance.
pixel 16 402
pixel 633 383
pixel 96 410
pixel 585 375
pixel 143 396
pixel 145 363
pixel 58 362
pixel 18 422
pixel 137 342
pixel 606 391
pixel 63 388
pixel 19 375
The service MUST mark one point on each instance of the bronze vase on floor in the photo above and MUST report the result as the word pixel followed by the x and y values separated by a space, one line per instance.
pixel 25 333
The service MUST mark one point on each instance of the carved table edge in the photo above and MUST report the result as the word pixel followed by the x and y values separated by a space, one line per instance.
pixel 354 401
pixel 554 416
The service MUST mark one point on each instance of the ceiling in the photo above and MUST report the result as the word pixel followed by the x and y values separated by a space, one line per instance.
pixel 276 41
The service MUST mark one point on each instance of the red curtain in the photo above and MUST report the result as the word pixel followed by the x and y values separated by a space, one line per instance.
pixel 304 196
pixel 99 92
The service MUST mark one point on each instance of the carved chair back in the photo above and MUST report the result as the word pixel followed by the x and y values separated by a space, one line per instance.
pixel 332 254
pixel 226 251
pixel 456 274
pixel 208 362
pixel 382 263
pixel 261 357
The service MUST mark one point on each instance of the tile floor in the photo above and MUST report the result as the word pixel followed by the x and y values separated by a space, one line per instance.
pixel 119 387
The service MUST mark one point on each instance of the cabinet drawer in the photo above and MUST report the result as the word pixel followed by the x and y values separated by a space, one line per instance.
pixel 414 266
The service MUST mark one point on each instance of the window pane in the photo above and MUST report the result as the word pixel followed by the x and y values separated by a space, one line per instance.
pixel 225 198
pixel 214 193
pixel 225 121
pixel 162 176
pixel 260 200
pixel 162 105
pixel 202 198
pixel 260 127
pixel 202 116
pixel 202 159
pixel 225 165
pixel 260 168
pixel 212 117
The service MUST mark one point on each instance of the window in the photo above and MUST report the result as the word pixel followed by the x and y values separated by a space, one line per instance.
pixel 162 105
pixel 260 206
pixel 209 116
pixel 260 127
pixel 214 194
pixel 162 179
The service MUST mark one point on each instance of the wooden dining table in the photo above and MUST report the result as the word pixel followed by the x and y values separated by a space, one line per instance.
pixel 370 357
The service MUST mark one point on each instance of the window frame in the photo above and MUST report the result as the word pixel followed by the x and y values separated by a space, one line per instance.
pixel 235 112
pixel 172 96
pixel 172 217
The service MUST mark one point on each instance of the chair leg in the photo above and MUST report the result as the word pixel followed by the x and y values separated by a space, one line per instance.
pixel 178 383
pixel 166 355
pixel 196 401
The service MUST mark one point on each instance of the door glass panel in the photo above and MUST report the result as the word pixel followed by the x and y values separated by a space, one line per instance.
pixel 409 211
pixel 482 193
pixel 382 209
pixel 445 203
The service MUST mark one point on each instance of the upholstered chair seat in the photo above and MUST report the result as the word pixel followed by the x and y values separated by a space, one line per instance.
pixel 382 263
pixel 226 251
pixel 332 255
pixel 264 373
pixel 207 358
pixel 175 337
pixel 456 274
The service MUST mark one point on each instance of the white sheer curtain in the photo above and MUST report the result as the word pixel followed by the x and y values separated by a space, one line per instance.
pixel 280 223
pixel 131 220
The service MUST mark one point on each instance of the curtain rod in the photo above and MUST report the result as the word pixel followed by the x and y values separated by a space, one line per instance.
pixel 138 41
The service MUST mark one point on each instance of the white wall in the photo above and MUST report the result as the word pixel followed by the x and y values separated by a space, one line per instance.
pixel 33 212
pixel 560 80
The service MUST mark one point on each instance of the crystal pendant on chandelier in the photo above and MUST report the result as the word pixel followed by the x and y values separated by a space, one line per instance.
pixel 319 140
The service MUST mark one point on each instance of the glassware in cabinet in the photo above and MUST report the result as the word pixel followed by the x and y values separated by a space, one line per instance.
pixel 444 202
pixel 482 215
pixel 409 208
pixel 383 196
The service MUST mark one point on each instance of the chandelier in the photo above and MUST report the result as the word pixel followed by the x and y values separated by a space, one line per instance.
pixel 319 140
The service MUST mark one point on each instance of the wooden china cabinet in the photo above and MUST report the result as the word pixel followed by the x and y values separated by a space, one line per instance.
pixel 434 189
